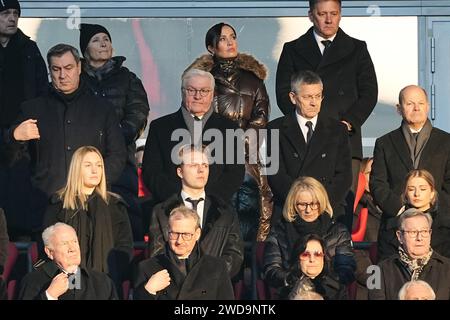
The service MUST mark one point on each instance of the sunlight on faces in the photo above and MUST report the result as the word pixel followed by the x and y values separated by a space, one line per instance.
pixel 227 46
pixel 196 104
pixel 308 214
pixel 91 171
pixel 312 266
pixel 419 193
pixel 64 248
pixel 99 48
pixel 415 246
pixel 65 73
pixel 8 22
pixel 180 247
pixel 325 17
pixel 414 107
pixel 308 99
pixel 194 169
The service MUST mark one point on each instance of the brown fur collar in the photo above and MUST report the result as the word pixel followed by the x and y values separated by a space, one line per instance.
pixel 243 61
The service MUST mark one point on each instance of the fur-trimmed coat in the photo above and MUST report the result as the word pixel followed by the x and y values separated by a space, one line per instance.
pixel 240 91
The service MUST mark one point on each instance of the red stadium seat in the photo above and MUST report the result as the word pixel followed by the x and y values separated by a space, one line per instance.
pixel 361 224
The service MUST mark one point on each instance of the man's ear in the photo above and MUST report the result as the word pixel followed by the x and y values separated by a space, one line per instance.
pixel 399 236
pixel 292 97
pixel 310 15
pixel 399 109
pixel 179 173
pixel 198 233
pixel 48 252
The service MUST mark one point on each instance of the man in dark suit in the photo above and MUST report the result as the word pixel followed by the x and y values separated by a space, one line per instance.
pixel 190 123
pixel 311 144
pixel 344 65
pixel 221 235
pixel 415 145
pixel 182 271
pixel 61 277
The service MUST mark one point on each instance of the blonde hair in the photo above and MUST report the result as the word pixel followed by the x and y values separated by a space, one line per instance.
pixel 425 175
pixel 72 195
pixel 317 191
pixel 183 212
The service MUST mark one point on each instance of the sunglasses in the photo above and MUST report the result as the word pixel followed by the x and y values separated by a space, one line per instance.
pixel 307 255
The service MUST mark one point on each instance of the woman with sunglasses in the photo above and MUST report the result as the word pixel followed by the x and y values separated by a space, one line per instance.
pixel 419 193
pixel 312 272
pixel 307 210
pixel 242 97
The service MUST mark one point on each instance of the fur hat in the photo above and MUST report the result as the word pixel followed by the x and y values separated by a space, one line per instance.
pixel 9 4
pixel 87 31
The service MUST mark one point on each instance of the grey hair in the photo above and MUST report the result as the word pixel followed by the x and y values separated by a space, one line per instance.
pixel 59 50
pixel 49 232
pixel 192 73
pixel 409 284
pixel 304 77
pixel 413 212
pixel 183 212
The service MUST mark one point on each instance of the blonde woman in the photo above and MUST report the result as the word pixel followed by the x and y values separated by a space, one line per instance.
pixel 307 210
pixel 419 193
pixel 99 217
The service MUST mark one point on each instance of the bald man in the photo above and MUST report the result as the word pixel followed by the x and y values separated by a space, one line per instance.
pixel 415 145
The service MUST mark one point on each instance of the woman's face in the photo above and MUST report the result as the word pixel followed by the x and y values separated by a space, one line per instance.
pixel 227 46
pixel 99 48
pixel 312 259
pixel 91 170
pixel 306 207
pixel 419 193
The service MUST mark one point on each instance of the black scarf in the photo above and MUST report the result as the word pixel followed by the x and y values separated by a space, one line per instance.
pixel 319 226
pixel 94 230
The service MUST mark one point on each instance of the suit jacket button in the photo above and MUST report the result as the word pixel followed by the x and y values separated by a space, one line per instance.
pixel 203 291
pixel 341 92
pixel 295 155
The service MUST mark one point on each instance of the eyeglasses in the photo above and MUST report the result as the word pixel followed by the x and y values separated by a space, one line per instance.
pixel 304 205
pixel 414 233
pixel 193 92
pixel 310 97
pixel 308 254
pixel 186 236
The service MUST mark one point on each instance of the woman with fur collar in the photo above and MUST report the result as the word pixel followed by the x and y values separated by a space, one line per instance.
pixel 241 96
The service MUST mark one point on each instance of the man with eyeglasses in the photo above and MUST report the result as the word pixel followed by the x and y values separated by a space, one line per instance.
pixel 416 260
pixel 346 69
pixel 195 116
pixel 182 271
pixel 218 219
pixel 311 144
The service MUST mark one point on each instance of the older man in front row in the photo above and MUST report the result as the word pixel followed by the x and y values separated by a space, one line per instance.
pixel 312 144
pixel 182 272
pixel 62 278
pixel 415 260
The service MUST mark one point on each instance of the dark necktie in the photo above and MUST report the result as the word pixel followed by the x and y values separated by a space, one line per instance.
pixel 197 118
pixel 194 202
pixel 326 43
pixel 415 136
pixel 310 131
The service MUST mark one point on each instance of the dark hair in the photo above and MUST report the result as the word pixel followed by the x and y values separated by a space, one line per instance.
pixel 301 244
pixel 304 77
pixel 312 3
pixel 59 50
pixel 212 37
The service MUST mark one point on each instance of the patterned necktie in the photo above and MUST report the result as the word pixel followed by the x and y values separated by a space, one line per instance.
pixel 326 43
pixel 310 131
pixel 194 202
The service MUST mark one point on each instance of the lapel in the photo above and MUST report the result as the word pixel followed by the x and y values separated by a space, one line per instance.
pixel 401 148
pixel 306 47
pixel 318 140
pixel 428 156
pixel 293 134
pixel 341 47
pixel 210 215
pixel 176 276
